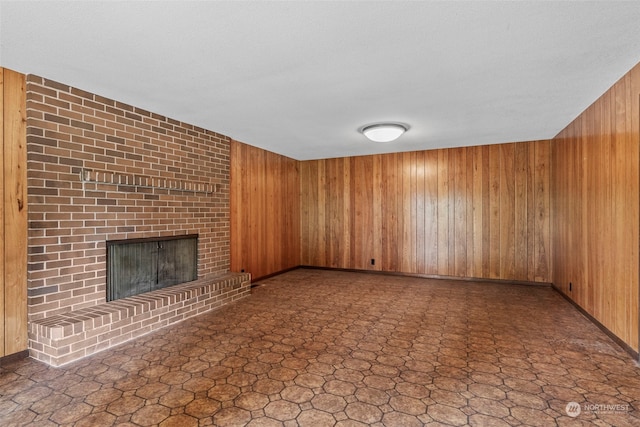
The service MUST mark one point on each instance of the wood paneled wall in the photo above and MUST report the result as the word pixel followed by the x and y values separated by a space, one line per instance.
pixel 595 202
pixel 467 212
pixel 13 214
pixel 265 211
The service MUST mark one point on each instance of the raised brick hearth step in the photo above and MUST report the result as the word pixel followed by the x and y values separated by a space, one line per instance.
pixel 64 338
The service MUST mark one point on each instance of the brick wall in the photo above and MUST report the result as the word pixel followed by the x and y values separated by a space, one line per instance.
pixel 100 170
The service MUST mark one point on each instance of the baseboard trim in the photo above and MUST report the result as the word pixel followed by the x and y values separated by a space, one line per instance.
pixel 430 276
pixel 626 347
pixel 254 282
pixel 14 357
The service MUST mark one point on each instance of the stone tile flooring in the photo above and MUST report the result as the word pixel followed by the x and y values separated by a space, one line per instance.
pixel 324 348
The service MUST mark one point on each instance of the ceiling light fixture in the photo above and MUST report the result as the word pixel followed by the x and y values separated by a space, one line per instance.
pixel 384 132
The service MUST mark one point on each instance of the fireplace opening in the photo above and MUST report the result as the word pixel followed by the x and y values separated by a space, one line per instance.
pixel 136 266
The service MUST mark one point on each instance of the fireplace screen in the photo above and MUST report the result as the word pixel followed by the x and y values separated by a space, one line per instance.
pixel 136 266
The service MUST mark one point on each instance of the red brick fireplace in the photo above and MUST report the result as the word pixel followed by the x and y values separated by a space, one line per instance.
pixel 102 170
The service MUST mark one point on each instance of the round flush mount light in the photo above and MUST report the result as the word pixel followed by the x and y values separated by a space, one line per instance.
pixel 384 132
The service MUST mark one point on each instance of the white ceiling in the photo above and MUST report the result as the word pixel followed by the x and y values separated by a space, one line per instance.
pixel 300 77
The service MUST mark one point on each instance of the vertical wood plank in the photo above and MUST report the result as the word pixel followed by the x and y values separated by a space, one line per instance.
pixel 274 186
pixel 460 212
pixel 451 256
pixel 348 207
pixel 356 212
pixel 578 240
pixel 443 212
pixel 407 213
pixel 521 208
pixel 531 210
pixel 403 211
pixel 305 211
pixel 2 237
pixel 336 194
pixel 272 243
pixel 542 228
pixel 15 211
pixel 235 207
pixel 413 208
pixel 431 211
pixel 386 215
pixel 335 216
pixel 594 197
pixel 293 224
pixel 267 217
pixel 494 212
pixel 318 226
pixel 294 220
pixel 309 199
pixel 343 247
pixel 367 225
pixel 476 222
pixel 486 212
pixel 608 168
pixel 420 229
pixel 507 211
pixel 390 260
pixel 631 299
pixel 377 201
pixel 399 211
pixel 633 292
pixel 319 233
pixel 471 212
pixel 244 180
pixel 255 231
pixel 583 239
pixel 614 309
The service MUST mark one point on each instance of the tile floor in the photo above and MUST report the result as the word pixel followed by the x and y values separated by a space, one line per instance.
pixel 324 348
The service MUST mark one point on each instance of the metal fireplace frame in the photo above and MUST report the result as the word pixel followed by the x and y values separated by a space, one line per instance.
pixel 147 279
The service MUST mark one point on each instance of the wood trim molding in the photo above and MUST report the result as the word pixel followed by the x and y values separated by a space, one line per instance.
pixel 11 358
pixel 600 326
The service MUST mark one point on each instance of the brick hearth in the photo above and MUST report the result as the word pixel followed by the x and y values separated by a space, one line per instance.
pixel 64 338
pixel 102 170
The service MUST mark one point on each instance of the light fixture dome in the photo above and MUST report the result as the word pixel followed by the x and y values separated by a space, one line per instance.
pixel 384 132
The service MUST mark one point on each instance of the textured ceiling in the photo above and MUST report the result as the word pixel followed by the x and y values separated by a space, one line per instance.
pixel 300 77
